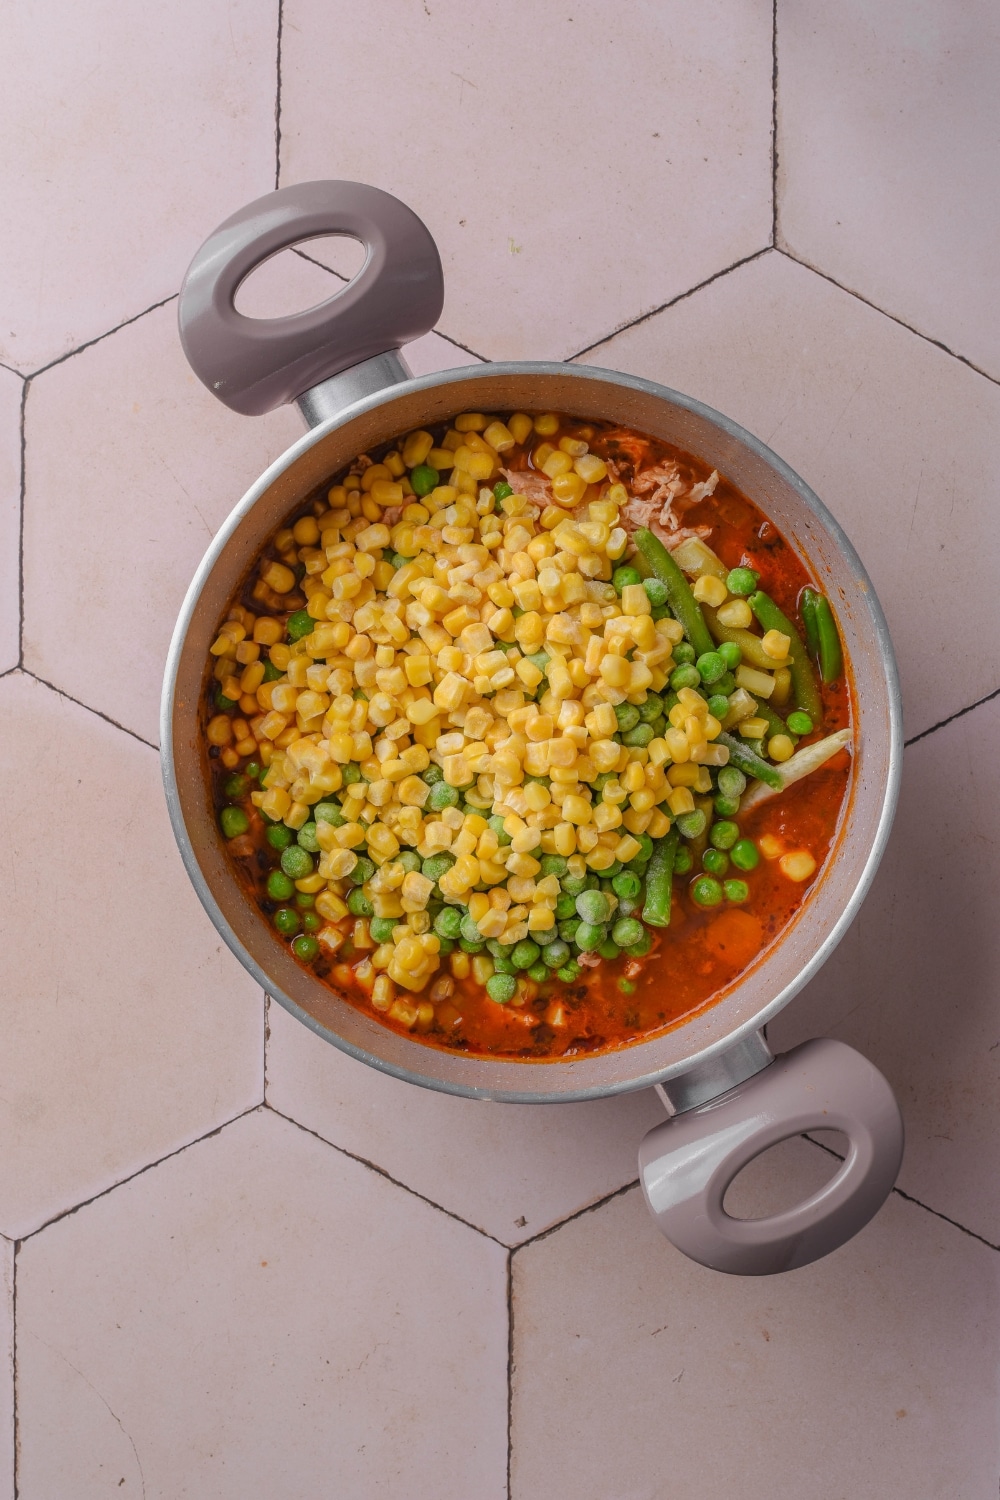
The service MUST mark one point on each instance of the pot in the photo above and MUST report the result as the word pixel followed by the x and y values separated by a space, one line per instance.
pixel 726 1096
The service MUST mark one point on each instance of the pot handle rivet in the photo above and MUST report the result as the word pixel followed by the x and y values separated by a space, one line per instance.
pixel 687 1164
pixel 256 364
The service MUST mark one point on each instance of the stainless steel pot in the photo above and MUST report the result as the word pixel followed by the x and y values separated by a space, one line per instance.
pixel 727 1098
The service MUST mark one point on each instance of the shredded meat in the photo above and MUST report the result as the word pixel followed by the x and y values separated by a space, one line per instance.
pixel 391 514
pixel 531 483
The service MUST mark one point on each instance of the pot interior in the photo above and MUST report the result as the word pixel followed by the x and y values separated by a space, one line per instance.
pixel 584 392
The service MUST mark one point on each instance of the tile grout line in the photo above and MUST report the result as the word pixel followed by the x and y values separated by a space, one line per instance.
pixel 331 272
pixel 588 1208
pixel 909 1198
pixel 510 1364
pixel 98 338
pixel 774 123
pixel 90 710
pixel 958 714
pixel 866 302
pixel 381 1172
pixel 139 1172
pixel 23 436
pixel 277 96
pixel 653 312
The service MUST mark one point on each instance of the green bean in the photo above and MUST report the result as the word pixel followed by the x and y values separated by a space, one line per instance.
pixel 807 608
pixel 656 912
pixel 751 650
pixel 805 688
pixel 831 657
pixel 682 601
pixel 746 761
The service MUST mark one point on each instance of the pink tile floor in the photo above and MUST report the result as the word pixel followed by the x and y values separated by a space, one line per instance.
pixel 234 1262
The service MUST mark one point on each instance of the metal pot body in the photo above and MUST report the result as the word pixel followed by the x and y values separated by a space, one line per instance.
pixel 699 1046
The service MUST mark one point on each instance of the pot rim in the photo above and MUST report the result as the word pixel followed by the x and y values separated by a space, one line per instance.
pixel 627 1080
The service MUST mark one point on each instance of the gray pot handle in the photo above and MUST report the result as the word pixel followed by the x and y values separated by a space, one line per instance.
pixel 687 1163
pixel 256 364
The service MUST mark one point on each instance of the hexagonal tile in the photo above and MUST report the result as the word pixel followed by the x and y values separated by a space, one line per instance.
pixel 11 387
pixel 901 441
pixel 131 467
pixel 914 983
pixel 872 1374
pixel 888 134
pixel 110 186
pixel 576 168
pixel 262 1316
pixel 512 1170
pixel 129 1029
pixel 6 1369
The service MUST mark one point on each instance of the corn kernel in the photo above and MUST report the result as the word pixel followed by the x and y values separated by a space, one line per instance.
pixel 736 615
pixel 775 644
pixel 797 866
pixel 780 747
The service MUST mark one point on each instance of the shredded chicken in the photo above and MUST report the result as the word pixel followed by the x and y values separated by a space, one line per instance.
pixel 391 514
pixel 656 511
pixel 531 483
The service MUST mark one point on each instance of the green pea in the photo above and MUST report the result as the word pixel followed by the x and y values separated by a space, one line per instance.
pixel 279 837
pixel 645 848
pixel 432 775
pixel 683 861
pixel 296 863
pixel 538 972
pixel 236 787
pixel 350 774
pixel 501 490
pixel 329 812
pixel 304 901
pixel 656 592
pixel 468 946
pixel 525 954
pixel 627 907
pixel 306 838
pixel 685 676
pixel 623 577
pixel 555 954
pixel 501 988
pixel 565 906
pixel 724 835
pixel 742 582
pixel 574 884
pixel 305 948
pixel 725 685
pixel 496 823
pixel 799 722
pixel 609 949
pixel 609 874
pixel 447 946
pixel 503 966
pixel 732 782
pixel 641 946
pixel 300 624
pixel 627 931
pixel 601 780
pixel 718 705
pixel 469 930
pixel 409 859
pixel 382 928
pixel 279 887
pixel 627 715
pixel 311 922
pixel 442 795
pixel 736 891
pixel 640 736
pixel 498 949
pixel 627 885
pixel 730 653
pixel 287 921
pixel 358 903
pixel 436 865
pixel 715 861
pixel 424 479
pixel 593 907
pixel 448 923
pixel 554 864
pixel 589 937
pixel 363 871
pixel 705 891
pixel 626 986
pixel 710 667
pixel 726 807
pixel 234 821
pixel 744 854
pixel 683 653
pixel 569 973
pixel 539 659
pixel 546 936
pixel 252 769
pixel 691 825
